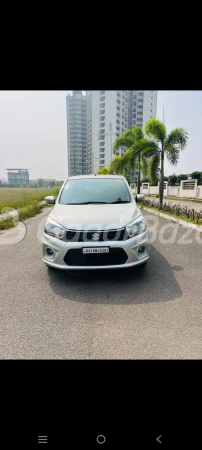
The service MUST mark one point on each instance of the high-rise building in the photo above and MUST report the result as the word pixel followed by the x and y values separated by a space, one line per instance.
pixel 107 119
pixel 142 106
pixel 96 119
pixel 76 107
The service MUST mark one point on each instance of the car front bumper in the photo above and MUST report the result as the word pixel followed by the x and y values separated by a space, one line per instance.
pixel 60 248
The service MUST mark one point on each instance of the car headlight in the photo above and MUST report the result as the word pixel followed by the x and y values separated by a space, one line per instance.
pixel 54 229
pixel 136 227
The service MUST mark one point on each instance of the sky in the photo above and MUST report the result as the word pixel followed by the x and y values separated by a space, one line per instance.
pixel 33 131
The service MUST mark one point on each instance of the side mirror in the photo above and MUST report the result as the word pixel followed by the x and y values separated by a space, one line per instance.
pixel 50 199
pixel 139 197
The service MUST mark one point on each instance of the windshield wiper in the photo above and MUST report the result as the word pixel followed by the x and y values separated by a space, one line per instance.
pixel 99 203
pixel 121 201
pixel 86 203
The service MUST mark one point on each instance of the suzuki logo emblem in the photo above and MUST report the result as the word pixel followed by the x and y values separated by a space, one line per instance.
pixel 95 237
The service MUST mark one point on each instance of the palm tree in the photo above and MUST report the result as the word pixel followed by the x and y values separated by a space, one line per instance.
pixel 103 171
pixel 131 139
pixel 170 144
pixel 120 164
pixel 115 165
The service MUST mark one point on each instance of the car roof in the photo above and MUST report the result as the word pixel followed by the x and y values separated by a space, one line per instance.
pixel 78 177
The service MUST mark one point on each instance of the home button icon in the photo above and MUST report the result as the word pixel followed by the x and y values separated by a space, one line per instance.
pixel 101 439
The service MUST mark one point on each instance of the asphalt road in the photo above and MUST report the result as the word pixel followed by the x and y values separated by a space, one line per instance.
pixel 152 312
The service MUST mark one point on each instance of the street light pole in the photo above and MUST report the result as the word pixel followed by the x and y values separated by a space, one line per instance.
pixel 110 133
pixel 90 160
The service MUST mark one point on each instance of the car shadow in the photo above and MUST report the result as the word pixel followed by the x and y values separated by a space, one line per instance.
pixel 152 283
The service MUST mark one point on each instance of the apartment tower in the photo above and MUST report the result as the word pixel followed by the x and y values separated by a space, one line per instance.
pixel 76 108
pixel 96 119
pixel 107 119
pixel 142 106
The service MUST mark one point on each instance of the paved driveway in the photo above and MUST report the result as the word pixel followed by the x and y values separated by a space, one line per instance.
pixel 147 313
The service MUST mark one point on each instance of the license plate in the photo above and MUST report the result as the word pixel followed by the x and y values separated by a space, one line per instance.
pixel 96 250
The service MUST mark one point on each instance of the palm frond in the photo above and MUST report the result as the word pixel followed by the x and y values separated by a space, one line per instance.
pixel 114 167
pixel 156 129
pixel 153 169
pixel 178 136
pixel 122 141
pixel 172 153
pixel 129 133
pixel 144 167
pixel 126 160
pixel 148 148
pixel 129 138
pixel 135 150
pixel 137 133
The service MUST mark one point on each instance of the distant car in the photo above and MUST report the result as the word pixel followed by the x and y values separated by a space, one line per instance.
pixel 95 224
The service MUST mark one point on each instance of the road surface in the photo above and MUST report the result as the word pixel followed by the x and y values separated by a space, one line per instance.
pixel 148 313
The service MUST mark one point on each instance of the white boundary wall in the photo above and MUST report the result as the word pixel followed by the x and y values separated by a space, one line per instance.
pixel 145 188
pixel 133 188
pixel 154 190
pixel 188 188
pixel 165 187
pixel 173 191
pixel 199 193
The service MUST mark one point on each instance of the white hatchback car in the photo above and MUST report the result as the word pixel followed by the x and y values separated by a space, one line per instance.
pixel 95 224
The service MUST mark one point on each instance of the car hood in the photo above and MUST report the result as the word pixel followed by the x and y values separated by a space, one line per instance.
pixel 80 217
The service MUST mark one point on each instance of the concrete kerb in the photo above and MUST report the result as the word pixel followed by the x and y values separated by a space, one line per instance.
pixel 14 213
pixel 174 219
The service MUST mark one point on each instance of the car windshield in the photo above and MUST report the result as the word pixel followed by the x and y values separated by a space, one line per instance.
pixel 95 190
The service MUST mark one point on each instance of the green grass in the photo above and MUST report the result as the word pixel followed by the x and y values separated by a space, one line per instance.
pixel 181 216
pixel 21 197
pixel 6 224
pixel 25 200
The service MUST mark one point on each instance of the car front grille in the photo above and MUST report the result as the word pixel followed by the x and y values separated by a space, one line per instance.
pixel 75 257
pixel 96 236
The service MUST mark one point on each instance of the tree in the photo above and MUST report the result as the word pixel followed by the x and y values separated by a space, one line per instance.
pixel 40 182
pixel 173 179
pixel 59 183
pixel 33 184
pixel 115 165
pixel 154 170
pixel 196 176
pixel 163 144
pixel 121 164
pixel 131 140
pixel 103 171
pixel 181 177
